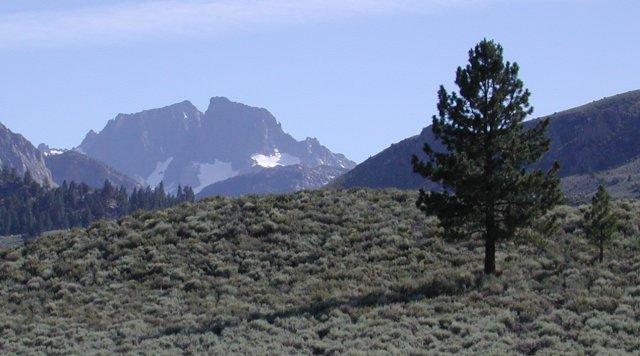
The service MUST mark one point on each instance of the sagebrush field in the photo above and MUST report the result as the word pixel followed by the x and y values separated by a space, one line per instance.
pixel 319 272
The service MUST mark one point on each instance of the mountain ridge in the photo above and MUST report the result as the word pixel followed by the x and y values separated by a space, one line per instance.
pixel 74 166
pixel 180 145
pixel 593 137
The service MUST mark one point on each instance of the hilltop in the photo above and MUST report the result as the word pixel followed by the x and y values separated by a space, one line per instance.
pixel 358 271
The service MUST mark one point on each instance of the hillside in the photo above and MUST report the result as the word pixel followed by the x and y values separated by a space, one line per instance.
pixel 74 166
pixel 595 137
pixel 390 168
pixel 280 179
pixel 592 138
pixel 622 181
pixel 316 272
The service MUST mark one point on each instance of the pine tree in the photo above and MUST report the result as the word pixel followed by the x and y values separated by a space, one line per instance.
pixel 189 195
pixel 600 223
pixel 159 197
pixel 487 189
pixel 179 194
pixel 122 201
pixel 108 190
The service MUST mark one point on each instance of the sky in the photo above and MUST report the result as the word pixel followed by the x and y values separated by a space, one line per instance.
pixel 358 75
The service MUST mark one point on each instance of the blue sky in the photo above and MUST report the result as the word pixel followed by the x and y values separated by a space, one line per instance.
pixel 357 74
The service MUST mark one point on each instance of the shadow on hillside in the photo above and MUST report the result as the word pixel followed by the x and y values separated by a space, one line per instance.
pixel 442 286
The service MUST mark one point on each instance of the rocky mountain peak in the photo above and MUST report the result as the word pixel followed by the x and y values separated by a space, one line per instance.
pixel 18 153
pixel 179 145
pixel 226 115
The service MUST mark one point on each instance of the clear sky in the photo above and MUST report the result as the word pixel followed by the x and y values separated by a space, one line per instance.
pixel 357 74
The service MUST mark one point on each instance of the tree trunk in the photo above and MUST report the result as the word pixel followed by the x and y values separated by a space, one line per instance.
pixel 489 254
pixel 601 251
pixel 490 242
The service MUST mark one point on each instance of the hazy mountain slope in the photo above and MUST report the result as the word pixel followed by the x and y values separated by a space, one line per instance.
pixel 179 145
pixel 274 180
pixel 74 166
pixel 597 136
pixel 391 167
pixel 622 181
pixel 315 272
pixel 17 152
pixel 594 137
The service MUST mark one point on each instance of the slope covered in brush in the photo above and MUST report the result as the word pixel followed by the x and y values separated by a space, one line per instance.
pixel 316 272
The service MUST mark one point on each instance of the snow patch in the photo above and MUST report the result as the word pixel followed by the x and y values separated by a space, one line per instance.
pixel 276 159
pixel 184 114
pixel 53 152
pixel 209 173
pixel 157 175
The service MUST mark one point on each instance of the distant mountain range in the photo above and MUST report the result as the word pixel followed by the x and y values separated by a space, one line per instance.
pixel 591 142
pixel 230 149
pixel 235 149
pixel 179 145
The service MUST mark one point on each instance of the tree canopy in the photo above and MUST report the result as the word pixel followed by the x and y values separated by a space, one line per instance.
pixel 486 186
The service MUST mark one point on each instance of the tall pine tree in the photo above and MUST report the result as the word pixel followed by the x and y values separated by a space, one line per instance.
pixel 600 223
pixel 487 189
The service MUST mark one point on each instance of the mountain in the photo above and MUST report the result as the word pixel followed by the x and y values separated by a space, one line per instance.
pixel 17 152
pixel 391 167
pixel 598 136
pixel 75 166
pixel 592 138
pixel 281 179
pixel 179 145
pixel 621 181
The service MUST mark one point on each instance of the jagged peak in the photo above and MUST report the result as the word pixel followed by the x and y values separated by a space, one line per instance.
pixel 224 112
pixel 219 99
pixel 220 102
pixel 183 105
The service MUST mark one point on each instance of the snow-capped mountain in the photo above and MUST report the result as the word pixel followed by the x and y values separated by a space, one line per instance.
pixel 179 145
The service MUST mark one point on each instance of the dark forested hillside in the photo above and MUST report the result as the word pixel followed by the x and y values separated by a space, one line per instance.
pixel 26 207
